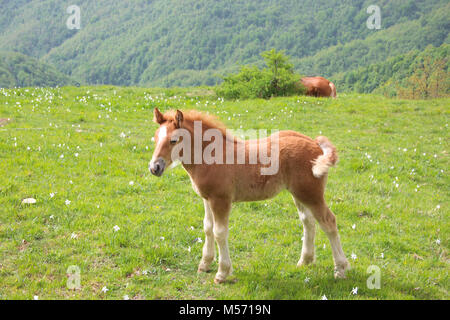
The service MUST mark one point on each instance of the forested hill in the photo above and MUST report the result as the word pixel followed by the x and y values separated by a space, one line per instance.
pixel 193 42
pixel 384 77
pixel 18 70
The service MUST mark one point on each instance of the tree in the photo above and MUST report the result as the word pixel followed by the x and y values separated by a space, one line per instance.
pixel 277 61
pixel 429 80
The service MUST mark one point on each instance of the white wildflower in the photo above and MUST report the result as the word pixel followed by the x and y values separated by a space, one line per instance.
pixel 29 201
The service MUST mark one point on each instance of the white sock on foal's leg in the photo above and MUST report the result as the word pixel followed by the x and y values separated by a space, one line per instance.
pixel 327 221
pixel 340 261
pixel 208 248
pixel 221 236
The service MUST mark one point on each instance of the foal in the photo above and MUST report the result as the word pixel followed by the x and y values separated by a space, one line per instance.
pixel 302 166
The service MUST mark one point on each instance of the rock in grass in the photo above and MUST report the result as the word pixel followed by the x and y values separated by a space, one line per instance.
pixel 29 201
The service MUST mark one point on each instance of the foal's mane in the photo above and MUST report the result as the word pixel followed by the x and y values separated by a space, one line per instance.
pixel 208 120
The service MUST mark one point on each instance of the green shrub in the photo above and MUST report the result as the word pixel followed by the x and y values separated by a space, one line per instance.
pixel 277 79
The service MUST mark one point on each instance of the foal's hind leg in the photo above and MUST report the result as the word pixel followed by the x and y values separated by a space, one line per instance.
pixel 208 247
pixel 309 232
pixel 327 222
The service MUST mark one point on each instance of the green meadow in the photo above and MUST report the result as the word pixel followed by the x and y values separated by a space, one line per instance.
pixel 83 153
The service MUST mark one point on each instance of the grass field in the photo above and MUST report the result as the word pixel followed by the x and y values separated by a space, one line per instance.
pixel 83 154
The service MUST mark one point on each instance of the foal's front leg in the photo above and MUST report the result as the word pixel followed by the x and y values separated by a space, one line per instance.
pixel 208 248
pixel 221 210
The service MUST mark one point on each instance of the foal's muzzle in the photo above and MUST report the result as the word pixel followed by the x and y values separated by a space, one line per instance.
pixel 157 167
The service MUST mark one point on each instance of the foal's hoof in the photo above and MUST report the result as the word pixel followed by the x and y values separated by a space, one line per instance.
pixel 203 268
pixel 340 275
pixel 305 260
pixel 219 280
pixel 339 270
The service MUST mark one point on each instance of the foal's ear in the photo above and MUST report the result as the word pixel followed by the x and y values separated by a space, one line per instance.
pixel 158 116
pixel 178 119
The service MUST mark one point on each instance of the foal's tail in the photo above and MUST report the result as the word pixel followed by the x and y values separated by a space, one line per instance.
pixel 333 89
pixel 328 159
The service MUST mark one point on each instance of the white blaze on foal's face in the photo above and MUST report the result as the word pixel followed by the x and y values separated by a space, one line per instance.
pixel 166 138
pixel 161 155
pixel 162 134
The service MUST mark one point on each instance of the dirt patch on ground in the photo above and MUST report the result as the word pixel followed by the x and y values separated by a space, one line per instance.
pixel 4 121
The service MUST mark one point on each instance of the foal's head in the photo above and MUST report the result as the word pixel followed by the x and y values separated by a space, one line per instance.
pixel 165 139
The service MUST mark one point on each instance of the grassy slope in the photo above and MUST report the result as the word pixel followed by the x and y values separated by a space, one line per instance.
pixel 265 245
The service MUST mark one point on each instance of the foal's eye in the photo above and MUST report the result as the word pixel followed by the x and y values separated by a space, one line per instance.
pixel 173 141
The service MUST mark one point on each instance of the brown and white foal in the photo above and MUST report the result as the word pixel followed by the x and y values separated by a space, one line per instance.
pixel 302 168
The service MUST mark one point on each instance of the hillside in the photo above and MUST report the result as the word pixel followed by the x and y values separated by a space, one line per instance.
pixel 432 28
pixel 394 71
pixel 18 70
pixel 166 43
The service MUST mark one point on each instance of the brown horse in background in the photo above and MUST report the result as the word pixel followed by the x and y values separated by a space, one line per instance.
pixel 318 87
